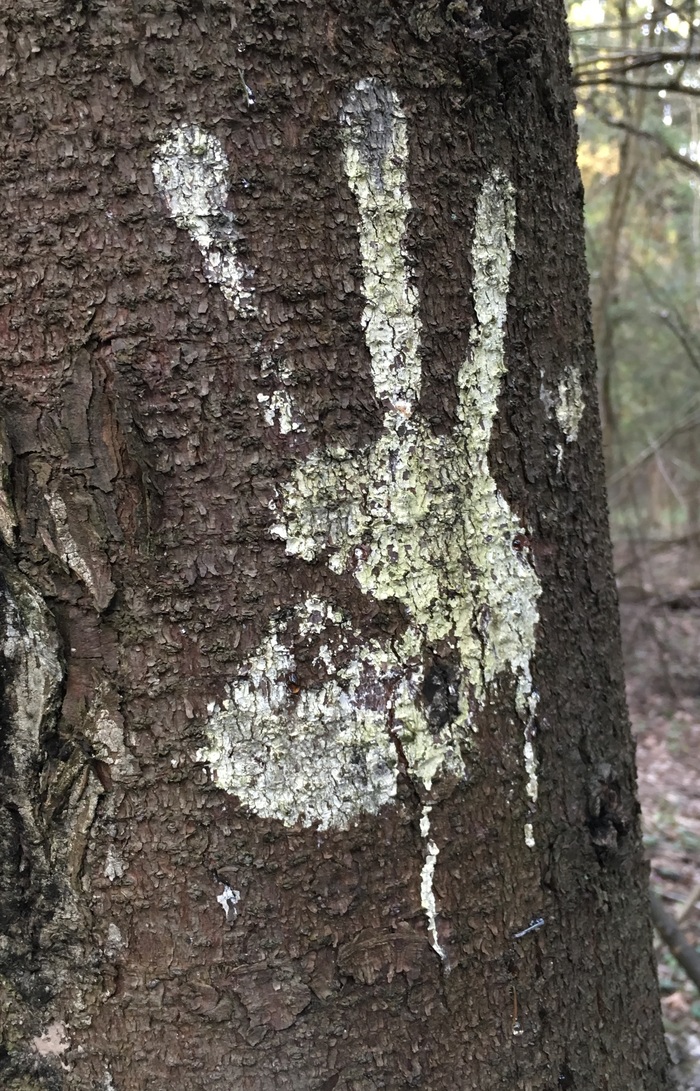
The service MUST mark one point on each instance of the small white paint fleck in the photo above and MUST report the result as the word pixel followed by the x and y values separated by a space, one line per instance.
pixel 529 835
pixel 191 171
pixel 535 924
pixel 228 900
pixel 427 875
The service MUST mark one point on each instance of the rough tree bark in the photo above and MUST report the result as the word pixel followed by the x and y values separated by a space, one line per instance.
pixel 316 769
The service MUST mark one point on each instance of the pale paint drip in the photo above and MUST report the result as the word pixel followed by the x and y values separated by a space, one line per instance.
pixel 531 765
pixel 567 403
pixel 416 518
pixel 191 172
pixel 427 893
pixel 531 770
pixel 249 96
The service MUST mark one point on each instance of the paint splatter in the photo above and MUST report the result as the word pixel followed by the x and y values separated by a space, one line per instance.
pixel 416 518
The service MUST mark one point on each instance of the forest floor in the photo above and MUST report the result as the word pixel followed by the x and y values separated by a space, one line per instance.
pixel 660 610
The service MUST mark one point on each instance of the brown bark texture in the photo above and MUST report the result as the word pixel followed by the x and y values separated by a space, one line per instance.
pixel 163 930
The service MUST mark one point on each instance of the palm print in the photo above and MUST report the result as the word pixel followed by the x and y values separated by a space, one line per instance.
pixel 416 517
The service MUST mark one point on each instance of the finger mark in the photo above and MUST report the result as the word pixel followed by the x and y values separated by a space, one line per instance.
pixel 511 586
pixel 480 376
pixel 492 248
pixel 376 160
pixel 191 172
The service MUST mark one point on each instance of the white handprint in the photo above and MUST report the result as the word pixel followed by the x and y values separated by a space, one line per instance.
pixel 416 518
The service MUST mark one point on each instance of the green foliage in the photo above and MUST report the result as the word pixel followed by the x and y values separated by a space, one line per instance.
pixel 637 71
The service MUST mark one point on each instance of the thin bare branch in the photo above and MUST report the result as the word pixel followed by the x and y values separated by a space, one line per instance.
pixel 671 87
pixel 664 147
pixel 671 317
pixel 634 59
pixel 687 422
pixel 673 937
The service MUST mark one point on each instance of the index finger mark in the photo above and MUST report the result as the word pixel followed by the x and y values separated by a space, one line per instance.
pixel 376 160
pixel 191 172
pixel 492 247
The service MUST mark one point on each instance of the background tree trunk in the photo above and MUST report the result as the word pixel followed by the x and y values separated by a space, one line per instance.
pixel 316 765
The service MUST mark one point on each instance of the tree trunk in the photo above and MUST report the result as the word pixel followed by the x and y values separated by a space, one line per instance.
pixel 316 766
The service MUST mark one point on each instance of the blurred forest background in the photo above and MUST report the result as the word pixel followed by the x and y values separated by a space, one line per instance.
pixel 637 76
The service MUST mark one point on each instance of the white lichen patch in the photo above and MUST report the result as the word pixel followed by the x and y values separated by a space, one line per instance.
pixel 115 941
pixel 30 649
pixel 68 547
pixel 570 404
pixel 114 865
pixel 416 518
pixel 107 732
pixel 278 409
pixel 8 518
pixel 427 893
pixel 53 1042
pixel 191 172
